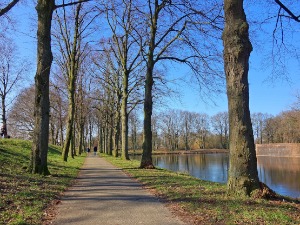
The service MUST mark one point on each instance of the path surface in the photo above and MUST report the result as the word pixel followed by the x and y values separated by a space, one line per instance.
pixel 104 195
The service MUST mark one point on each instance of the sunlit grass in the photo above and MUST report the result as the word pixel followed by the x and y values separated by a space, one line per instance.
pixel 204 202
pixel 25 196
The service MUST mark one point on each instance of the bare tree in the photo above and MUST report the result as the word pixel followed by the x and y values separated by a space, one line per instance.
pixel 220 124
pixel 171 126
pixel 258 122
pixel 11 71
pixel 242 175
pixel 58 110
pixel 170 28
pixel 121 17
pixel 69 39
pixel 108 75
pixel 134 125
pixel 82 109
pixel 38 162
pixel 202 128
pixel 22 121
pixel 187 124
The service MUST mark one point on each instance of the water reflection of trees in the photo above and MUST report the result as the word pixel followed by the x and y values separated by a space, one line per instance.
pixel 211 167
pixel 286 163
pixel 280 173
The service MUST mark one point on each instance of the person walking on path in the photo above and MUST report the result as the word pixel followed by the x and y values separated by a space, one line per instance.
pixel 88 150
pixel 95 150
pixel 104 194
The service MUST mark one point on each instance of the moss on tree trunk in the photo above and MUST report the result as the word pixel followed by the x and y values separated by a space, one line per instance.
pixel 242 175
pixel 38 162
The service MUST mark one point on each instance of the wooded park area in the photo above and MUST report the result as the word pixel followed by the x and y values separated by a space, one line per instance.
pixel 100 63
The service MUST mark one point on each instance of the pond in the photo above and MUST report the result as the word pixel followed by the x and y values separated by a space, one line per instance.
pixel 282 174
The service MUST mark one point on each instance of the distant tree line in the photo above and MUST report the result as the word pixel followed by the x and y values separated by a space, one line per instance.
pixel 172 129
pixel 283 128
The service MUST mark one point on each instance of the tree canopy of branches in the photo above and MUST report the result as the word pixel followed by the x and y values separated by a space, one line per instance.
pixel 175 29
pixel 70 48
pixel 121 17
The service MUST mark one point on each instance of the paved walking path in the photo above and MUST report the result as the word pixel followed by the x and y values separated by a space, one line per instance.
pixel 104 195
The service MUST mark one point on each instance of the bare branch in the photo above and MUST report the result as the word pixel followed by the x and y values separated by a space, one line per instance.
pixel 293 16
pixel 8 7
pixel 69 4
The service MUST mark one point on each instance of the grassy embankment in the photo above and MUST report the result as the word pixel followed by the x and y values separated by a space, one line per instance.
pixel 203 202
pixel 25 196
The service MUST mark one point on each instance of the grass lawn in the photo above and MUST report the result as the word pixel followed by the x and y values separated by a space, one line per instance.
pixel 203 202
pixel 25 196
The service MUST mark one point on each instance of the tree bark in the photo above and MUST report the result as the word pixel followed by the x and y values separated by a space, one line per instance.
pixel 72 78
pixel 38 163
pixel 101 139
pixel 70 122
pixel 242 174
pixel 117 132
pixel 110 137
pixel 4 125
pixel 146 161
pixel 124 116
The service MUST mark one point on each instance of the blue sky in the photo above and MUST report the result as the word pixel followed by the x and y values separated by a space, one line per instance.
pixel 266 95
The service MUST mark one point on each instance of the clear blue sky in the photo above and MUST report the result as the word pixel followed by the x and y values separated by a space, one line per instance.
pixel 266 96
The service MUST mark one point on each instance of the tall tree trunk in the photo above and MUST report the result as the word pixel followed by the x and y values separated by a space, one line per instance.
pixel 69 133
pixel 117 133
pixel 90 131
pixel 124 116
pixel 61 133
pixel 146 161
pixel 81 136
pixel 125 154
pixel 110 138
pixel 187 147
pixel 56 134
pixel 242 174
pixel 38 162
pixel 4 125
pixel 134 137
pixel 52 133
pixel 106 135
pixel 101 139
pixel 73 141
pixel 72 77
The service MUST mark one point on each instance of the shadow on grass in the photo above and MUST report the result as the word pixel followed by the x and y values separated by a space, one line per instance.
pixel 6 154
pixel 54 150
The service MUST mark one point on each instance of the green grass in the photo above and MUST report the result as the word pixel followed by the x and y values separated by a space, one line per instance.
pixel 203 202
pixel 25 196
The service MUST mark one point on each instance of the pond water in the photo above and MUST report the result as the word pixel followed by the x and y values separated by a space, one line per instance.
pixel 282 174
